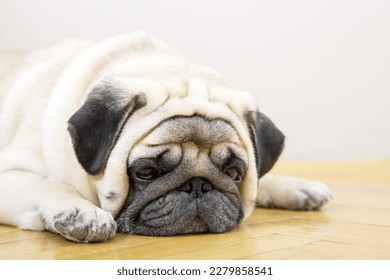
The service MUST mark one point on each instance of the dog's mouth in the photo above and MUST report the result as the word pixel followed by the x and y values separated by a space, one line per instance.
pixel 184 210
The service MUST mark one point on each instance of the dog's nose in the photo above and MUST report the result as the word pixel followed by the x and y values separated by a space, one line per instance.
pixel 196 186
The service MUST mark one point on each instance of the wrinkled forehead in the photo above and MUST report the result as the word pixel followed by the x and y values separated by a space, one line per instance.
pixel 216 136
pixel 196 129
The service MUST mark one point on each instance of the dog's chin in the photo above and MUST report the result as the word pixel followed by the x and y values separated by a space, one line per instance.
pixel 178 213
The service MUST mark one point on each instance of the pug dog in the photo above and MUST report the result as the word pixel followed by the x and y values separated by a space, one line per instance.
pixel 128 136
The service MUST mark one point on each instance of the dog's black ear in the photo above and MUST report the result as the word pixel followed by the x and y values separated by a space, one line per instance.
pixel 95 127
pixel 267 139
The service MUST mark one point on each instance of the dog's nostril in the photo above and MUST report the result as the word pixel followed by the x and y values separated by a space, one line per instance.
pixel 196 186
pixel 185 188
pixel 206 187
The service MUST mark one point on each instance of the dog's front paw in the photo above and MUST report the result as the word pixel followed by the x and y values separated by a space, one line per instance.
pixel 307 195
pixel 293 194
pixel 85 225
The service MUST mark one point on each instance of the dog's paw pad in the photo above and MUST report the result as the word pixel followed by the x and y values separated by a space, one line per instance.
pixel 92 225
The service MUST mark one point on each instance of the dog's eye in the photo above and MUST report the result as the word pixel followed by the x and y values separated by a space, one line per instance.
pixel 234 174
pixel 147 174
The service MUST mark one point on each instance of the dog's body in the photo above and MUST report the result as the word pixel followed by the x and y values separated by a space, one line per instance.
pixel 128 129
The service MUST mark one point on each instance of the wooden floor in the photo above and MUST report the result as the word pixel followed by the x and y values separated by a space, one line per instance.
pixel 355 225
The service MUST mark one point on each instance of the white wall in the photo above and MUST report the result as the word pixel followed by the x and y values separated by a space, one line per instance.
pixel 320 69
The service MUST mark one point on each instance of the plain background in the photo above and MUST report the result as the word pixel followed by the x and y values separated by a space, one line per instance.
pixel 320 69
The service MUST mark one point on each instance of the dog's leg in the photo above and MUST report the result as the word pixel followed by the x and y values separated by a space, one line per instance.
pixel 291 193
pixel 29 201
